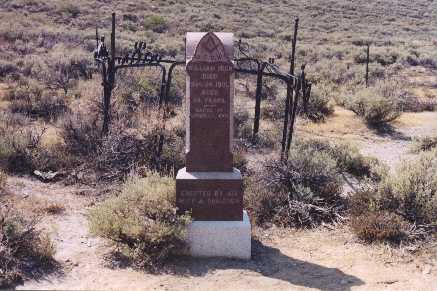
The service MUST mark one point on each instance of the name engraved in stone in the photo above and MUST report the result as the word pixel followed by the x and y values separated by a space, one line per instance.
pixel 193 67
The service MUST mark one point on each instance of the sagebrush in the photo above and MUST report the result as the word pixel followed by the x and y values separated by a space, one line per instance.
pixel 22 247
pixel 142 220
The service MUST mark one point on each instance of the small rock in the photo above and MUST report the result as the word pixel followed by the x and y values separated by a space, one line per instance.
pixel 345 281
pixel 427 270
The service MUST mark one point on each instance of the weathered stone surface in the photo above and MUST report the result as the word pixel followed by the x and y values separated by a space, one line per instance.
pixel 210 106
pixel 229 239
pixel 210 195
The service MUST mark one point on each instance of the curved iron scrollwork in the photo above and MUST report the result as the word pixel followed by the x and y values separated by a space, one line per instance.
pixel 138 57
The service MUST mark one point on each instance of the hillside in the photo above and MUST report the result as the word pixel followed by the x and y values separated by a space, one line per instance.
pixel 354 208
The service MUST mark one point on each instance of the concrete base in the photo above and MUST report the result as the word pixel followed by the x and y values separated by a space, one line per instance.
pixel 229 239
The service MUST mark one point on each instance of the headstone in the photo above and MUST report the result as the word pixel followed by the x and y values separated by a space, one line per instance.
pixel 210 98
pixel 209 186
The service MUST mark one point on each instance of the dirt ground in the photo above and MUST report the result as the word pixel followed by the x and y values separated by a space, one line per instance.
pixel 328 258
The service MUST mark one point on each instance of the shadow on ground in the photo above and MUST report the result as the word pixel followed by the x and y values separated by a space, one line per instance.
pixel 32 270
pixel 270 262
pixel 388 131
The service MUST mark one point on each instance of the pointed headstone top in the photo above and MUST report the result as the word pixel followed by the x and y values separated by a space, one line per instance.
pixel 210 49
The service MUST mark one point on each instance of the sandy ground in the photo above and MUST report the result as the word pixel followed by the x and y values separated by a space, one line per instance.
pixel 329 258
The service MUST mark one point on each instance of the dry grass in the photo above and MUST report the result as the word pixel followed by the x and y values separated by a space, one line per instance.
pixel 342 123
pixel 33 206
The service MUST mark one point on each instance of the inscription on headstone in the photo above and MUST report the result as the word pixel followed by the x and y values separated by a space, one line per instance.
pixel 210 72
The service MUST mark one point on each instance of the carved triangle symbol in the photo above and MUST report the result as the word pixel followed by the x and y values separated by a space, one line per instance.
pixel 210 45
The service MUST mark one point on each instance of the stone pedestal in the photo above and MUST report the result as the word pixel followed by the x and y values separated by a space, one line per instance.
pixel 210 195
pixel 229 239
pixel 209 187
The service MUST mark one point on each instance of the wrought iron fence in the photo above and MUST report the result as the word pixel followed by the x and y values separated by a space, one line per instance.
pixel 109 62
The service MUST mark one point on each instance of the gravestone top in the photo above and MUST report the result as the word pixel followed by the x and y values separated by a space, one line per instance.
pixel 193 39
pixel 210 93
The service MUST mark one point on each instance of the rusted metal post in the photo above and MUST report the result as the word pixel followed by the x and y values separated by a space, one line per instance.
pixel 166 109
pixel 163 90
pixel 290 85
pixel 293 113
pixel 304 90
pixel 258 95
pixel 308 94
pixel 367 64
pixel 109 82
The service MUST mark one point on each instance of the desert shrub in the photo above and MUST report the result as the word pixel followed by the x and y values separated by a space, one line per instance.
pixel 318 106
pixel 132 141
pixel 382 56
pixel 273 110
pixel 414 185
pixel 337 73
pixel 240 160
pixel 31 99
pixel 380 226
pixel 376 105
pixel 26 89
pixel 142 220
pixel 22 247
pixel 121 151
pixel 265 138
pixel 426 58
pixel 138 88
pixel 243 131
pixel 22 152
pixel 3 179
pixel 306 190
pixel 70 9
pixel 21 149
pixel 270 89
pixel 387 211
pixel 8 69
pixel 426 143
pixel 241 119
pixel 173 153
pixel 51 158
pixel 62 70
pixel 54 208
pixel 81 133
pixel 348 158
pixel 303 192
pixel 156 23
pixel 17 148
